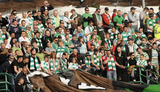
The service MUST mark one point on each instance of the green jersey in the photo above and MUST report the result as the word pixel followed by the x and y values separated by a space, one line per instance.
pixel 119 20
pixel 151 23
pixel 85 23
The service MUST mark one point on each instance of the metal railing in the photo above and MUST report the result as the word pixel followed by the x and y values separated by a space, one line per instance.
pixel 140 76
pixel 5 82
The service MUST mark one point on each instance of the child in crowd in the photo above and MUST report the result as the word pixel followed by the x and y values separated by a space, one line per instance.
pixel 149 74
pixel 73 65
pixel 19 86
pixel 54 63
pixel 45 64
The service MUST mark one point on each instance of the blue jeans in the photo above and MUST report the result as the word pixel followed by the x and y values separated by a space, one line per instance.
pixel 112 74
pixel 12 81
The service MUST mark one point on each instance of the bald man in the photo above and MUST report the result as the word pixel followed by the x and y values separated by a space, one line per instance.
pixel 67 20
pixel 24 17
pixel 46 6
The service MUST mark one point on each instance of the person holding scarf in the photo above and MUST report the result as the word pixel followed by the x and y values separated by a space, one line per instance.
pixel 97 17
pixel 45 64
pixel 34 63
pixel 111 63
pixel 54 63
pixel 96 63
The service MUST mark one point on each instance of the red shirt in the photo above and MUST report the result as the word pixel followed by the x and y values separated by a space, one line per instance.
pixel 113 15
pixel 106 20
pixel 105 58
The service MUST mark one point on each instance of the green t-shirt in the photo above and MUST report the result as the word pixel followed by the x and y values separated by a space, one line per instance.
pixel 118 20
pixel 14 49
pixel 58 34
pixel 60 51
pixel 40 56
pixel 85 23
pixel 68 43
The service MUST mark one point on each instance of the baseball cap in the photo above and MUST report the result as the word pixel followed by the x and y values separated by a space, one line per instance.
pixel 133 8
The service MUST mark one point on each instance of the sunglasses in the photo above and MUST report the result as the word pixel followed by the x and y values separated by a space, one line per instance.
pixel 87 10
pixel 14 13
pixel 33 54
pixel 11 58
pixel 56 40
pixel 62 23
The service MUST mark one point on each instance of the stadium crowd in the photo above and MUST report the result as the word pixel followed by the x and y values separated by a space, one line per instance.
pixel 101 44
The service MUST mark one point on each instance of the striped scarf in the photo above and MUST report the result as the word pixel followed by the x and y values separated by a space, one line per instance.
pixel 99 18
pixel 64 65
pixel 111 63
pixel 45 65
pixel 55 65
pixel 113 36
pixel 96 44
pixel 87 61
pixel 96 60
pixel 39 42
pixel 29 35
pixel 108 41
pixel 108 18
pixel 124 48
pixel 74 65
pixel 90 30
pixel 32 66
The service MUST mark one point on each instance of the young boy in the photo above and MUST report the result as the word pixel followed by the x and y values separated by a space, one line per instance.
pixel 23 26
pixel 45 64
pixel 151 75
pixel 18 86
pixel 142 62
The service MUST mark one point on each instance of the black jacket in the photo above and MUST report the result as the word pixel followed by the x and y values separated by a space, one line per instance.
pixel 150 55
pixel 126 47
pixel 50 7
pixel 121 59
pixel 3 22
pixel 5 66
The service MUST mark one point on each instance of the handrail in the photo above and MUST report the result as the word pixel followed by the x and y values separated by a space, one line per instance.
pixel 140 75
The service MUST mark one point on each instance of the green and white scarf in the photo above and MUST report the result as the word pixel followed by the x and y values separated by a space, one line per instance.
pixel 45 65
pixel 124 48
pixel 39 42
pixel 109 18
pixel 31 20
pixel 87 61
pixel 111 63
pixel 96 60
pixel 56 65
pixel 98 17
pixel 154 57
pixel 64 64
pixel 96 44
pixel 74 65
pixel 108 42
pixel 90 30
pixel 40 27
pixel 29 35
pixel 67 23
pixel 32 66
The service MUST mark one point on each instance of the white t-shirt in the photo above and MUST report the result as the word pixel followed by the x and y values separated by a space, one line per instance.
pixel 21 39
pixel 65 19
pixel 26 19
pixel 88 31
pixel 71 65
pixel 43 65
